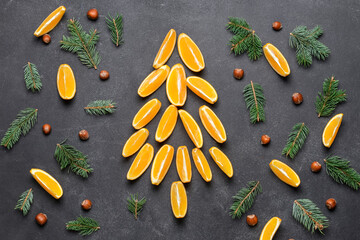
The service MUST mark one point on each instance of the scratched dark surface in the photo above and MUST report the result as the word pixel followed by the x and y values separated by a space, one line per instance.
pixel 145 25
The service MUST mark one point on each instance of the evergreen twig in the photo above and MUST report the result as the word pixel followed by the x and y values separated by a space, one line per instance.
pixel 83 225
pixel 255 101
pixel 100 107
pixel 135 206
pixel 32 77
pixel 25 201
pixel 296 140
pixel 115 26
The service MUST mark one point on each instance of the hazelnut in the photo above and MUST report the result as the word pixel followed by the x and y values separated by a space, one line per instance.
pixel 315 167
pixel 251 220
pixel 92 14
pixel 46 38
pixel 84 135
pixel 104 75
pixel 46 128
pixel 86 204
pixel 265 139
pixel 277 26
pixel 297 98
pixel 330 203
pixel 238 73
pixel 41 219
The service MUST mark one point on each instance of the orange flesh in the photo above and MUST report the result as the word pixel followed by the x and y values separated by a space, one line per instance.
pixel 176 85
pixel 190 53
pixel 183 164
pixel 202 164
pixel 153 81
pixel 166 49
pixel 141 162
pixel 167 124
pixel 135 141
pixel 331 129
pixel 276 60
pixel 66 83
pixel 222 161
pixel 212 124
pixel 161 164
pixel 192 128
pixel 284 173
pixel 146 113
pixel 50 21
pixel 178 199
pixel 47 182
pixel 270 228
pixel 202 88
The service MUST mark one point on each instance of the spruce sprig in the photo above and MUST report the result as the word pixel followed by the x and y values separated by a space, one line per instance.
pixel 67 155
pixel 135 206
pixel 25 201
pixel 115 26
pixel 255 101
pixel 245 39
pixel 340 170
pixel 24 121
pixel 331 96
pixel 308 214
pixel 296 140
pixel 245 198
pixel 32 77
pixel 100 107
pixel 82 43
pixel 83 225
pixel 307 46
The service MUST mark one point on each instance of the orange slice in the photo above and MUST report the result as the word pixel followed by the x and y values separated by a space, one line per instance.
pixel 166 49
pixel 50 22
pixel 47 182
pixel 190 53
pixel 222 161
pixel 331 129
pixel 153 81
pixel 192 128
pixel 202 88
pixel 146 113
pixel 66 83
pixel 141 162
pixel 178 199
pixel 276 60
pixel 183 164
pixel 212 124
pixel 284 173
pixel 167 124
pixel 161 164
pixel 270 229
pixel 135 141
pixel 176 85
pixel 202 164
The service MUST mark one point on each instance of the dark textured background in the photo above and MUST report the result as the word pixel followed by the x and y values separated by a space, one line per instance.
pixel 145 25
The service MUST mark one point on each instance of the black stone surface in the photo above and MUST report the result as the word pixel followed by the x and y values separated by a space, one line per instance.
pixel 145 25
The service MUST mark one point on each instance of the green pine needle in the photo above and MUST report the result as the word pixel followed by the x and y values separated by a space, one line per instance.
pixel 341 171
pixel 244 199
pixel 308 214
pixel 24 121
pixel 255 101
pixel 83 225
pixel 115 26
pixel 25 201
pixel 32 77
pixel 331 96
pixel 100 107
pixel 135 206
pixel 296 140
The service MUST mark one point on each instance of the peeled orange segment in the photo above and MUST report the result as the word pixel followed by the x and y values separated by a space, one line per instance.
pixel 276 60
pixel 47 182
pixel 176 85
pixel 190 53
pixel 146 113
pixel 284 173
pixel 153 81
pixel 270 229
pixel 192 128
pixel 178 199
pixel 161 164
pixel 66 83
pixel 141 162
pixel 183 164
pixel 50 22
pixel 212 124
pixel 167 124
pixel 135 141
pixel 222 161
pixel 331 129
pixel 202 164
pixel 166 49
pixel 202 88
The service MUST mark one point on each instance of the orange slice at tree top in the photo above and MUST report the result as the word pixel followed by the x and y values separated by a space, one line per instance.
pixel 141 162
pixel 331 129
pixel 270 228
pixel 166 49
pixel 178 199
pixel 146 113
pixel 176 85
pixel 222 161
pixel 202 164
pixel 190 53
pixel 183 164
pixel 47 182
pixel 161 164
pixel 135 141
pixel 192 128
pixel 66 83
pixel 276 60
pixel 212 124
pixel 285 173
pixel 202 88
pixel 50 22
pixel 153 81
pixel 167 124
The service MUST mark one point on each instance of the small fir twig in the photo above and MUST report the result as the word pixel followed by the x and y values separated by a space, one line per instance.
pixel 25 201
pixel 308 214
pixel 24 121
pixel 296 140
pixel 32 77
pixel 115 26
pixel 83 225
pixel 255 101
pixel 100 107
pixel 135 206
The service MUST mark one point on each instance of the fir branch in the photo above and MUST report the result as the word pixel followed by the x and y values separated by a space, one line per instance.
pixel 25 201
pixel 24 121
pixel 255 101
pixel 331 96
pixel 296 140
pixel 244 199
pixel 135 206
pixel 32 77
pixel 115 26
pixel 308 214
pixel 83 225
pixel 340 170
pixel 100 107
pixel 82 43
pixel 67 155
